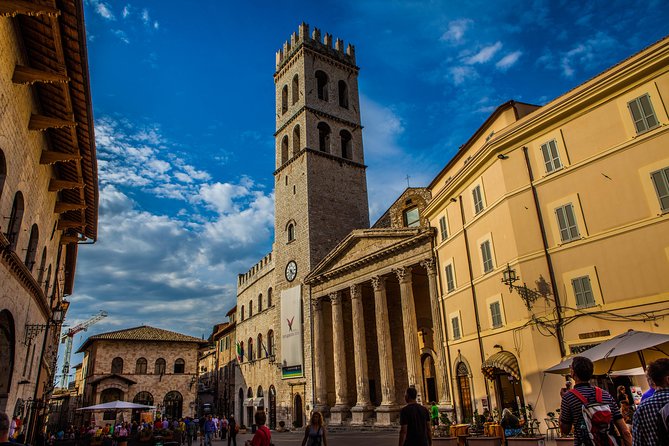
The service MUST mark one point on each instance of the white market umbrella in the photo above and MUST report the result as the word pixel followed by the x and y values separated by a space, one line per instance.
pixel 623 352
pixel 117 405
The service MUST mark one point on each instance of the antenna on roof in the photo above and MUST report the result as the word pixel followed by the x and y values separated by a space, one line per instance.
pixel 407 178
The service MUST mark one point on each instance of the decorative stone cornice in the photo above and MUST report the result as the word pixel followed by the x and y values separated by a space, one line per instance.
pixel 319 153
pixel 23 275
pixel 320 113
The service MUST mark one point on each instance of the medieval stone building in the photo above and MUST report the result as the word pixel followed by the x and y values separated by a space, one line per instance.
pixel 143 365
pixel 48 191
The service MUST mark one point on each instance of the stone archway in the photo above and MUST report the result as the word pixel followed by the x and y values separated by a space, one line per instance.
pixel 463 383
pixel 173 403
pixel 7 346
pixel 429 378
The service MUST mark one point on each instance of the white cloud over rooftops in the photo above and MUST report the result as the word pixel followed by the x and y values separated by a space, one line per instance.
pixel 484 54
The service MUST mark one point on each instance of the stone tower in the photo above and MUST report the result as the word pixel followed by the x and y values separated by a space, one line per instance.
pixel 320 180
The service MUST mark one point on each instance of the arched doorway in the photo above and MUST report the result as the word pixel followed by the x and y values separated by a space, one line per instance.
pixel 429 378
pixel 173 403
pixel 249 405
pixel 241 406
pixel 6 356
pixel 464 391
pixel 260 396
pixel 272 407
pixel 297 410
pixel 502 369
pixel 141 398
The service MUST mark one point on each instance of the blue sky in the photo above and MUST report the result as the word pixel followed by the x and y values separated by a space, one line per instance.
pixel 183 98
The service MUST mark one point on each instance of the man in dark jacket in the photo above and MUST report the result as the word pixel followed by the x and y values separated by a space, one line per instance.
pixel 232 430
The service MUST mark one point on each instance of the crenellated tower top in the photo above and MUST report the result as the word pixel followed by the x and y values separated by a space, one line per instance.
pixel 322 43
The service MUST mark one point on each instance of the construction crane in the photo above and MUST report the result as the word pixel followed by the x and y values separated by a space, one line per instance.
pixel 67 339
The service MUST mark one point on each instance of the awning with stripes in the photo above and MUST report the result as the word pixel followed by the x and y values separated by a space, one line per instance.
pixel 504 362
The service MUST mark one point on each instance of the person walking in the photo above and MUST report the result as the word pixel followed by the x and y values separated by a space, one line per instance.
pixel 314 434
pixel 573 401
pixel 651 419
pixel 434 413
pixel 232 430
pixel 209 430
pixel 262 437
pixel 414 422
pixel 191 431
pixel 224 428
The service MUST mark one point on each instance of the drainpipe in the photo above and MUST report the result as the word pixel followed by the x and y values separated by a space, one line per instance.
pixel 474 302
pixel 313 362
pixel 549 262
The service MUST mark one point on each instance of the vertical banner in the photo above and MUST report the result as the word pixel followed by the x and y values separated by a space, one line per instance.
pixel 291 333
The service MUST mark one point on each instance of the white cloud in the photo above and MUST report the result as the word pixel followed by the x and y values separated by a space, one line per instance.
pixel 485 54
pixel 459 74
pixel 508 61
pixel 456 30
pixel 121 35
pixel 126 11
pixel 145 16
pixel 156 25
pixel 103 9
pixel 382 127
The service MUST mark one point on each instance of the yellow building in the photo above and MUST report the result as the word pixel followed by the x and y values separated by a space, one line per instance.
pixel 574 198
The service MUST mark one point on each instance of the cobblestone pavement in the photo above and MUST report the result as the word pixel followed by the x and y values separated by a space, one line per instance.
pixel 334 439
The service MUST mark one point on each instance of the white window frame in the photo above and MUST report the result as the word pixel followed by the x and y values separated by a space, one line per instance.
pixel 443 227
pixel 455 317
pixel 661 176
pixel 642 122
pixel 477 198
pixel 450 282
pixel 489 260
pixel 570 231
pixel 551 155
pixel 579 282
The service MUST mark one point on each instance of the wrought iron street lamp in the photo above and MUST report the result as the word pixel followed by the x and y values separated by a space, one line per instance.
pixel 57 317
pixel 528 295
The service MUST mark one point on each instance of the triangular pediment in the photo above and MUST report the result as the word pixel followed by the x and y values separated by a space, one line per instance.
pixel 365 245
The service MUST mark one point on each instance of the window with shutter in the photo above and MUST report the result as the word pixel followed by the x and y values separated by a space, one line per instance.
pixel 643 114
pixel 443 228
pixel 496 314
pixel 661 182
pixel 478 199
pixel 583 292
pixel 450 278
pixel 486 256
pixel 551 156
pixel 567 223
pixel 455 323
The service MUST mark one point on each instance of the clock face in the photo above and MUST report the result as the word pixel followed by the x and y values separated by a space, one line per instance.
pixel 291 271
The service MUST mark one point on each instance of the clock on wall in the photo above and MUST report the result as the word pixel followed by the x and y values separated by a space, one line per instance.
pixel 291 271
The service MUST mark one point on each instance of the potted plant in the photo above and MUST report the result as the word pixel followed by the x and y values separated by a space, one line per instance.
pixel 477 429
pixel 442 432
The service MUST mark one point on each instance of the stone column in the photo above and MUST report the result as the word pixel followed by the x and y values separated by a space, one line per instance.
pixel 363 407
pixel 438 335
pixel 414 372
pixel 341 410
pixel 388 411
pixel 321 391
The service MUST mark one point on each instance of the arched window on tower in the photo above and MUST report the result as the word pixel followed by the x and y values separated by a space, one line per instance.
pixel 284 149
pixel 242 313
pixel 251 308
pixel 140 366
pixel 259 302
pixel 260 347
pixel 343 94
pixel 179 366
pixel 269 297
pixel 15 219
pixel 322 85
pixel 296 89
pixel 42 267
pixel 284 99
pixel 31 253
pixel 47 281
pixel 346 148
pixel 323 137
pixel 251 352
pixel 291 232
pixel 160 367
pixel 270 342
pixel 3 171
pixel 296 140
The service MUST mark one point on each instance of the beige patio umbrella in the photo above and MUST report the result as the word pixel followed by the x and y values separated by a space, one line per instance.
pixel 623 352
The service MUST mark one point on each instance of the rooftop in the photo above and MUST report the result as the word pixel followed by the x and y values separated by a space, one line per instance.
pixel 142 333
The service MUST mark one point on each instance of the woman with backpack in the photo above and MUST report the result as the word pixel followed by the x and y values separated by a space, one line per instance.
pixel 314 434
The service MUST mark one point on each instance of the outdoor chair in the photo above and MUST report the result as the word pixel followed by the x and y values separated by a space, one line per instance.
pixel 552 428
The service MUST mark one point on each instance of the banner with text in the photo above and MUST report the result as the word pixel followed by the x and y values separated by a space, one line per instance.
pixel 291 333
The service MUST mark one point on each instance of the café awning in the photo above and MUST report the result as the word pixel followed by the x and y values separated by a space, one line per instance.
pixel 504 362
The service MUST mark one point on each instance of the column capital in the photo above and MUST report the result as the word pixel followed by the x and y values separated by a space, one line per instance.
pixel 335 298
pixel 355 292
pixel 403 274
pixel 317 304
pixel 430 265
pixel 378 283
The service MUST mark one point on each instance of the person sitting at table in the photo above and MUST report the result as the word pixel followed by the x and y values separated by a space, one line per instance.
pixel 510 423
